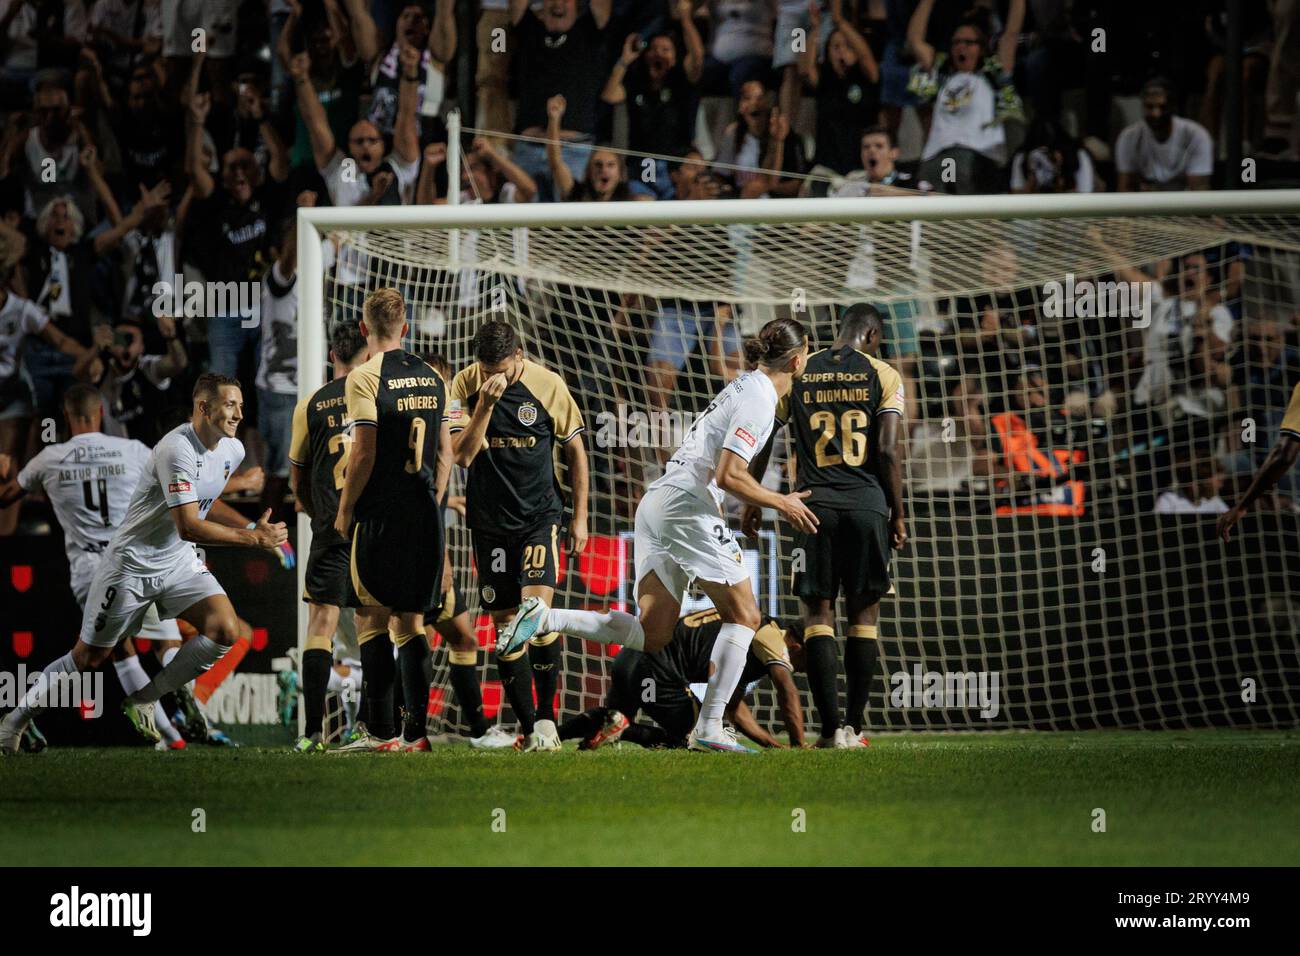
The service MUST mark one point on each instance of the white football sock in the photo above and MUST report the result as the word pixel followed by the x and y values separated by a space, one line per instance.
pixel 612 627
pixel 131 675
pixel 194 657
pixel 35 701
pixel 728 659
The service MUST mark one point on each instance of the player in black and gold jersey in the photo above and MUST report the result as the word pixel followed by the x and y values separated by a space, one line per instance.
pixel 318 457
pixel 507 416
pixel 396 475
pixel 844 415
pixel 1281 459
pixel 675 673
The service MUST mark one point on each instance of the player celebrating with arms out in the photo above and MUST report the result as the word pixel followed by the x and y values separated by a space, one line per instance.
pixel 506 413
pixel 151 560
pixel 1281 459
pixel 681 535
pixel 844 419
pixel 396 474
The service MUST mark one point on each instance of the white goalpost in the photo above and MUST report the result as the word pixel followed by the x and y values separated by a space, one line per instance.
pixel 1070 362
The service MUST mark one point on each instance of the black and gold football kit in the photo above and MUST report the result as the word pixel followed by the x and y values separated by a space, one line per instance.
pixel 683 662
pixel 398 537
pixel 513 503
pixel 833 410
pixel 321 439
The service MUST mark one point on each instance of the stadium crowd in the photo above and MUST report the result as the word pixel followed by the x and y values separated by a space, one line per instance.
pixel 150 141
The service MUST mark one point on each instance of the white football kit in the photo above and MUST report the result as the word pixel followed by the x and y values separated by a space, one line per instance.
pixel 681 534
pixel 147 562
pixel 89 481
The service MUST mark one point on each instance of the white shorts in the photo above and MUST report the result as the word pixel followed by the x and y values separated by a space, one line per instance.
pixel 682 538
pixel 83 567
pixel 119 602
pixel 180 18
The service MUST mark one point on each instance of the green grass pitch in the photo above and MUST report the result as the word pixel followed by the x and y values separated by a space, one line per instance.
pixel 1193 798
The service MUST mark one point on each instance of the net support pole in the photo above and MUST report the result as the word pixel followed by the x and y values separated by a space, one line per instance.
pixel 453 176
pixel 313 353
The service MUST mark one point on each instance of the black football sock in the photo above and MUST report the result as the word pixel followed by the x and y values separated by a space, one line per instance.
pixel 545 660
pixel 469 694
pixel 860 652
pixel 378 674
pixel 411 655
pixel 583 725
pixel 517 681
pixel 316 664
pixel 823 675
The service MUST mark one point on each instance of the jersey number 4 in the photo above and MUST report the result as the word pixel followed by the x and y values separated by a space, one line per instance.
pixel 88 490
pixel 853 441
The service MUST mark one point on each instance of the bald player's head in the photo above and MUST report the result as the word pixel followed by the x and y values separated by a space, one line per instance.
pixel 83 407
pixel 861 328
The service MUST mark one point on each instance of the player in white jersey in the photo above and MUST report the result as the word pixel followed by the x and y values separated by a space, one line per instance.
pixel 88 481
pixel 151 560
pixel 682 536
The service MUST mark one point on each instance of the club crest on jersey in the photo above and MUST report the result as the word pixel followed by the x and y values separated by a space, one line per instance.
pixel 227 471
pixel 489 594
pixel 527 413
pixel 746 437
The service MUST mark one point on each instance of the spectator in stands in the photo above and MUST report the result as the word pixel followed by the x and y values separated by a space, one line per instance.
pixel 492 65
pixel 437 46
pixel 896 65
pixel 877 174
pixel 18 58
pixel 277 368
pixel 123 30
pixel 741 48
pixel 946 455
pixel 489 175
pixel 847 89
pixel 229 232
pixel 761 143
pixel 801 30
pixel 1283 81
pixel 1197 491
pixel 137 386
pixel 335 76
pixel 1163 151
pixel 558 52
pixel 1029 445
pixel 661 101
pixel 973 99
pixel 691 178
pixel 58 136
pixel 1051 161
pixel 217 19
pixel 20 319
pixel 149 131
pixel 364 176
pixel 1185 344
pixel 60 272
pixel 605 178
pixel 1264 373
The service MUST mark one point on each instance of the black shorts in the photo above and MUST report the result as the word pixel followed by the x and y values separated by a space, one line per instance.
pixel 450 603
pixel 329 576
pixel 397 561
pixel 507 563
pixel 848 555
pixel 644 682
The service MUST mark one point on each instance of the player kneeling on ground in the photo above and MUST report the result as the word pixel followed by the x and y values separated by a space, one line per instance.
pixel 667 686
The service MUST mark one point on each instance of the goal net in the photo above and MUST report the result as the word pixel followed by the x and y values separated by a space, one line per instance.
pixel 1088 378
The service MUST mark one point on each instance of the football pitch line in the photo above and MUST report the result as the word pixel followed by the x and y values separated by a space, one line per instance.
pixel 1104 798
